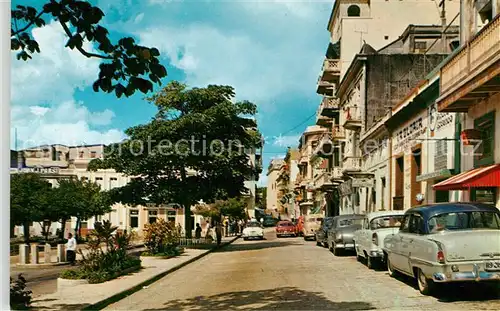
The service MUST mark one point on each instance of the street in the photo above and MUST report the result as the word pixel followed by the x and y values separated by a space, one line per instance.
pixel 290 274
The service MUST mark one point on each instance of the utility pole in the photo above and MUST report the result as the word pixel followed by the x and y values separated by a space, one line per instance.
pixel 442 5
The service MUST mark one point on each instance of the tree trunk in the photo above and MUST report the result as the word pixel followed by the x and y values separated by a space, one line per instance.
pixel 26 231
pixel 187 220
pixel 76 228
pixel 47 230
pixel 63 228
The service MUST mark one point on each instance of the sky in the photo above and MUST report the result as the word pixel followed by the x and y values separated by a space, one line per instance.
pixel 270 51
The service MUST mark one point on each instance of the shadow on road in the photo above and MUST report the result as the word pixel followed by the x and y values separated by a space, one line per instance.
pixel 285 298
pixel 248 246
pixel 459 292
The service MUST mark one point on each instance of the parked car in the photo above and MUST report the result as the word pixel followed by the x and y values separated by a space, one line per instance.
pixel 342 231
pixel 300 225
pixel 285 228
pixel 253 229
pixel 322 232
pixel 311 224
pixel 269 221
pixel 368 240
pixel 446 242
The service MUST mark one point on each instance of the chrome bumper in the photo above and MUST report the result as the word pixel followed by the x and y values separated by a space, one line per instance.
pixel 345 245
pixel 475 275
pixel 376 253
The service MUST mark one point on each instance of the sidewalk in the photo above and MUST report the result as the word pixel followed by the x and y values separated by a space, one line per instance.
pixel 96 296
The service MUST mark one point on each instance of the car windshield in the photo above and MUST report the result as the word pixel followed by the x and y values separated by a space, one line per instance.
pixel 464 221
pixel 349 222
pixel 390 221
pixel 285 224
pixel 253 224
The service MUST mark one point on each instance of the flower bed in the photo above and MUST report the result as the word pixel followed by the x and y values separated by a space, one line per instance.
pixel 168 253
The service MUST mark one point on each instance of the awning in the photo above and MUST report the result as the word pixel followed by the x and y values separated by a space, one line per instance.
pixel 482 177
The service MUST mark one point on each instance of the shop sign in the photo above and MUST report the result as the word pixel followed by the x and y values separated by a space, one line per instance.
pixel 362 182
pixel 38 170
pixel 409 135
pixel 437 174
pixel 345 188
pixel 438 120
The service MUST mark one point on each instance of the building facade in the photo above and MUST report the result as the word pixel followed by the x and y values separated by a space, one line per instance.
pixel 272 185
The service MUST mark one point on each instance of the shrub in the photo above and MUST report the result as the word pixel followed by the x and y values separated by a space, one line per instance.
pixel 161 236
pixel 99 266
pixel 20 297
pixel 168 252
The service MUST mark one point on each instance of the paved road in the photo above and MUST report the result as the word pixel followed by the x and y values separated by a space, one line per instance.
pixel 288 274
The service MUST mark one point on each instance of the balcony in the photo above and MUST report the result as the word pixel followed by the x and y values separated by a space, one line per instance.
pixel 329 107
pixel 336 174
pixel 325 88
pixel 351 164
pixel 338 132
pixel 324 148
pixel 330 72
pixel 352 118
pixel 473 73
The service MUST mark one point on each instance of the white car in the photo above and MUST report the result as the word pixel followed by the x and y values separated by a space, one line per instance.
pixel 368 240
pixel 254 230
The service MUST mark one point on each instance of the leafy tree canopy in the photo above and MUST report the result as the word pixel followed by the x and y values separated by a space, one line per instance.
pixel 194 148
pixel 233 207
pixel 126 66
pixel 29 198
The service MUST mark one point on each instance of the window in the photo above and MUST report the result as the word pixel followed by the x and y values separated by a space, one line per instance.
pixel 59 156
pixel 80 155
pixel 350 222
pixel 98 179
pixel 484 155
pixel 134 219
pixel 405 226
pixel 484 195
pixel 386 37
pixel 353 10
pixel 171 216
pixel 152 216
pixel 464 221
pixel 386 222
pixel 416 224
pixel 416 170
pixel 93 154
pixel 420 45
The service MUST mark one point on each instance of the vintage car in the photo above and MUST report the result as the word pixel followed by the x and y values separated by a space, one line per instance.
pixel 369 239
pixel 253 229
pixel 311 224
pixel 446 242
pixel 342 231
pixel 322 232
pixel 285 228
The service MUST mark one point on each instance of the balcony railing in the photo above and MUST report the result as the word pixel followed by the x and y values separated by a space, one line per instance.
pixel 338 132
pixel 336 173
pixel 329 107
pixel 485 47
pixel 325 88
pixel 352 118
pixel 330 72
pixel 351 164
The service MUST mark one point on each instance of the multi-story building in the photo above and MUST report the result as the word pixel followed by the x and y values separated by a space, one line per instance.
pixel 304 183
pixel 285 182
pixel 470 87
pixel 272 185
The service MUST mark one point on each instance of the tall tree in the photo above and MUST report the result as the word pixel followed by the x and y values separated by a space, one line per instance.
pixel 29 197
pixel 126 66
pixel 262 197
pixel 194 148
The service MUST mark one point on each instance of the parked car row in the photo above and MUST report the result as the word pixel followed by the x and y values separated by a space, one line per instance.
pixel 436 243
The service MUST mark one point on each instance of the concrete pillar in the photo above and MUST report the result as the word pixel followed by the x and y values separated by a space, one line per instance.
pixel 24 251
pixel 47 253
pixel 61 253
pixel 34 253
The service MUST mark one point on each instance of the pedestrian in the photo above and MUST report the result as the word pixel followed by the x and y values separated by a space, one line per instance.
pixel 226 226
pixel 218 232
pixel 197 232
pixel 71 249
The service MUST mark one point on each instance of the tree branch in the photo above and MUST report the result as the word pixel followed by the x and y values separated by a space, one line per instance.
pixel 28 25
pixel 80 49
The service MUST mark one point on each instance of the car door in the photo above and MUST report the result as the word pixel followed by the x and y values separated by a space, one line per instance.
pixel 396 251
pixel 359 238
pixel 417 242
pixel 407 245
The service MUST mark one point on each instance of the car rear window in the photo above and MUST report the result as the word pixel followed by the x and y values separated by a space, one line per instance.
pixel 389 221
pixel 464 221
pixel 350 222
pixel 253 224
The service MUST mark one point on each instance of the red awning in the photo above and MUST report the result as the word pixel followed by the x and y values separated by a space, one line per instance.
pixel 488 176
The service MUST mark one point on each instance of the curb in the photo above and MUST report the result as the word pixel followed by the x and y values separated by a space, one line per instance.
pixel 119 296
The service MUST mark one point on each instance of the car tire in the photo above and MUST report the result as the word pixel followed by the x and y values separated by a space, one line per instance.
pixel 318 243
pixel 369 262
pixel 245 239
pixel 330 247
pixel 390 268
pixel 425 286
pixel 358 257
pixel 336 251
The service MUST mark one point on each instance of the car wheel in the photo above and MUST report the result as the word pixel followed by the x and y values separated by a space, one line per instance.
pixel 336 251
pixel 425 285
pixel 358 257
pixel 245 239
pixel 390 269
pixel 330 247
pixel 318 243
pixel 369 262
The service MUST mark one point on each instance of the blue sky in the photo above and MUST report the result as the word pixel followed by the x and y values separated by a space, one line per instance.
pixel 270 51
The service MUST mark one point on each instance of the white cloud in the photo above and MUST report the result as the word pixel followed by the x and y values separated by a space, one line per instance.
pixel 286 141
pixel 53 74
pixel 43 108
pixel 69 124
pixel 258 71
pixel 139 18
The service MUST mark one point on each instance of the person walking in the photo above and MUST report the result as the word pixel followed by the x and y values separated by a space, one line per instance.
pixel 71 249
pixel 218 232
pixel 197 232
